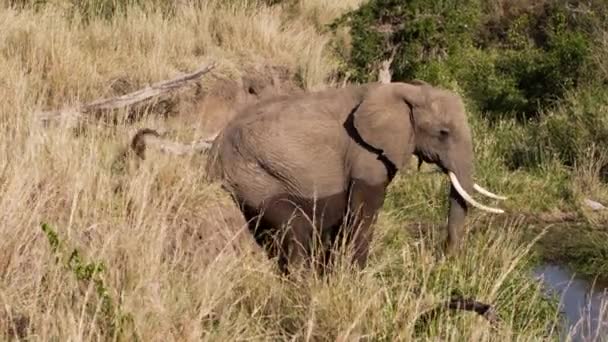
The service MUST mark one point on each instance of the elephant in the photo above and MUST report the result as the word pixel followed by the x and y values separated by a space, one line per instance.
pixel 318 164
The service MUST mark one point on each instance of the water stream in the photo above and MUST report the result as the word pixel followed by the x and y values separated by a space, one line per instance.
pixel 584 305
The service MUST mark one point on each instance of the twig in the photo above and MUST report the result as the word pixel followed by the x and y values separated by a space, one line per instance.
pixel 384 72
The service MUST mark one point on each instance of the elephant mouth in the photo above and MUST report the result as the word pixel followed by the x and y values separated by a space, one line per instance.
pixel 469 199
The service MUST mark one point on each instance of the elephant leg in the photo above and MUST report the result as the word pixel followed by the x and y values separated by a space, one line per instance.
pixel 331 235
pixel 364 202
pixel 261 230
pixel 295 238
pixel 296 245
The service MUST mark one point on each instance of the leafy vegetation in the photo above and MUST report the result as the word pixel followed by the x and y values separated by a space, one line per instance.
pixel 534 79
pixel 516 66
pixel 110 318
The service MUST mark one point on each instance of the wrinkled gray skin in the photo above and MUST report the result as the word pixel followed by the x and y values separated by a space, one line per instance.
pixel 320 157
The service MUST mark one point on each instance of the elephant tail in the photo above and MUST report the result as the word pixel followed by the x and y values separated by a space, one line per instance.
pixel 147 137
pixel 214 169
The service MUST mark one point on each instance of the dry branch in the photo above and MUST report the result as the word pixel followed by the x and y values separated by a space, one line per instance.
pixel 384 72
pixel 128 100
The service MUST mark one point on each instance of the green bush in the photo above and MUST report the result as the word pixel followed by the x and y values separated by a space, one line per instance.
pixel 578 125
pixel 567 134
pixel 514 68
pixel 539 71
pixel 423 33
pixel 539 67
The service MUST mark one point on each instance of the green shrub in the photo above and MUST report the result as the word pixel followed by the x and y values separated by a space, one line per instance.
pixel 111 316
pixel 487 86
pixel 566 134
pixel 514 68
pixel 423 32
pixel 542 71
pixel 539 67
pixel 579 124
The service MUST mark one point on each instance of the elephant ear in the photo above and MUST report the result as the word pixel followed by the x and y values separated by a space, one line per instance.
pixel 384 123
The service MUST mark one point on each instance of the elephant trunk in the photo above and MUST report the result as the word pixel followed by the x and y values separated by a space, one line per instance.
pixel 458 209
pixel 462 186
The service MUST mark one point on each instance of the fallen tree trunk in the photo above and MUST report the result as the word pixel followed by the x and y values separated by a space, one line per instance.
pixel 457 303
pixel 135 98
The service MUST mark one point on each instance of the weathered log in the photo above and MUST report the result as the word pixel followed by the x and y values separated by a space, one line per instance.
pixel 124 101
pixel 457 303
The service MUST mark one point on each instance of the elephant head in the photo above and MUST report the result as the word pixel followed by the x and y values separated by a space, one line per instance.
pixel 400 119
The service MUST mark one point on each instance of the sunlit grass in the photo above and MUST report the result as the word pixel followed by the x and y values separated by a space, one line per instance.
pixel 178 262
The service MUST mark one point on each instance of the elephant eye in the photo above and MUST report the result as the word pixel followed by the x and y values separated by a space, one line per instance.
pixel 444 133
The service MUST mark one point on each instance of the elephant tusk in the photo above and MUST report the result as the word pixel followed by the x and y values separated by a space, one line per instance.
pixel 470 199
pixel 485 192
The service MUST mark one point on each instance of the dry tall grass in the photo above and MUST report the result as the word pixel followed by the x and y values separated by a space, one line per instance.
pixel 176 266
